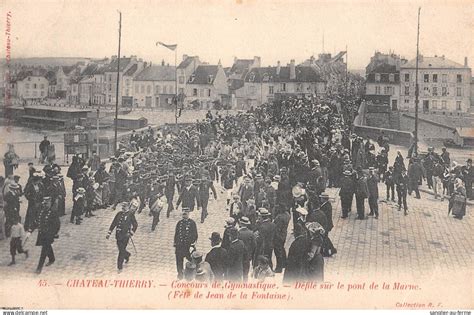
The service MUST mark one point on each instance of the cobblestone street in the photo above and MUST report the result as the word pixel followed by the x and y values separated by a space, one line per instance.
pixel 425 241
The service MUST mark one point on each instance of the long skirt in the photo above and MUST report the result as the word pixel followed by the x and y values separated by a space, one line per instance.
pixel 31 214
pixel 2 225
pixel 97 201
pixel 105 194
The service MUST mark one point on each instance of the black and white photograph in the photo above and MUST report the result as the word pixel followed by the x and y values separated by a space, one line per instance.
pixel 243 154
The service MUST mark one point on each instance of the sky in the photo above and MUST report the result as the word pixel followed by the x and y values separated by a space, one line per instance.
pixel 219 30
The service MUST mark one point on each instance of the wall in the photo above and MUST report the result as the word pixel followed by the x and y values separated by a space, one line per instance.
pixel 381 120
pixel 395 136
pixel 427 129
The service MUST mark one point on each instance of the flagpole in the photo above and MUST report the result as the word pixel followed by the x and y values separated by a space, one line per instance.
pixel 118 78
pixel 176 85
pixel 416 83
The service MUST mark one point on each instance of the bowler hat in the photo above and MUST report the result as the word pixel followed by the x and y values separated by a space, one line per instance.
pixel 263 212
pixel 185 209
pixel 215 237
pixel 80 190
pixel 347 173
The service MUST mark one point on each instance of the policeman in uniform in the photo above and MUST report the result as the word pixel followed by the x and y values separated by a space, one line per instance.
pixel 185 237
pixel 125 225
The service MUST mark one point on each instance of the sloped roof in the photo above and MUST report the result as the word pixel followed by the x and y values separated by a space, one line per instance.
pixel 87 80
pixel 90 69
pixel 186 62
pixel 157 73
pixel 202 74
pixel 100 70
pixel 235 84
pixel 131 71
pixel 240 66
pixel 433 62
pixel 112 67
pixel 269 74
pixel 51 77
pixel 68 69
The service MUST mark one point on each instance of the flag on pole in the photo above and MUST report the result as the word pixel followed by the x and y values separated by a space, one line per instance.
pixel 170 47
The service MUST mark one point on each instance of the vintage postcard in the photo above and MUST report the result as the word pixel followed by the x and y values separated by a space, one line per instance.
pixel 236 154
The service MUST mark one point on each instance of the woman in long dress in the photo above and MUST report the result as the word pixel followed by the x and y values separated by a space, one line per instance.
pixel 457 202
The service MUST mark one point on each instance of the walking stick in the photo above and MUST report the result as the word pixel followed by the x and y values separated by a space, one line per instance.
pixel 131 239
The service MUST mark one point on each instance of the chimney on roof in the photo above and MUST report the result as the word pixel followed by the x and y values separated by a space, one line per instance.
pixel 278 68
pixel 162 62
pixel 256 61
pixel 185 57
pixel 465 62
pixel 292 69
pixel 235 59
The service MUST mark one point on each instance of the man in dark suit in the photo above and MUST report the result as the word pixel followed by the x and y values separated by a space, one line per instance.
pixel 185 237
pixel 204 187
pixel 266 234
pixel 125 226
pixel 402 187
pixel 189 195
pixel 281 230
pixel 326 208
pixel 169 191
pixel 373 189
pixel 48 226
pixel 346 193
pixel 236 256
pixel 217 257
pixel 246 192
pixel 250 241
pixel 361 193
pixel 389 179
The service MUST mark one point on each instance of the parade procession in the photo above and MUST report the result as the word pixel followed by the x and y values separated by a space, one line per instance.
pixel 271 168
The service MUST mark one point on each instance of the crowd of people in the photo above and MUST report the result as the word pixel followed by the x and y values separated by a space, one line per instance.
pixel 273 166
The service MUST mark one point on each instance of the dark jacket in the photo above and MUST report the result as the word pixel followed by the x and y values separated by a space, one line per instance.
pixel 123 223
pixel 236 256
pixel 266 231
pixel 281 226
pixel 185 233
pixel 347 186
pixel 188 197
pixel 217 258
pixel 297 260
pixel 250 241
pixel 326 208
pixel 48 225
pixel 372 186
pixel 361 189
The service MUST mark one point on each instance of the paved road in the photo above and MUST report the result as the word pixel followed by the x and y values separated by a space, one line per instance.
pixel 425 241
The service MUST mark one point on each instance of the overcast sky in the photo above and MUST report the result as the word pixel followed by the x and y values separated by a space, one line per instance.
pixel 221 29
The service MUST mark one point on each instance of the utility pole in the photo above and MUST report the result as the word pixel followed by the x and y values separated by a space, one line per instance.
pixel 118 78
pixel 417 92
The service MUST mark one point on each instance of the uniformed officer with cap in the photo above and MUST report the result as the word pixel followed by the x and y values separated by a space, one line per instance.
pixel 185 237
pixel 125 226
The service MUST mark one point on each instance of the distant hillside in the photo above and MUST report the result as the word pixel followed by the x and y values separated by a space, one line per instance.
pixel 47 61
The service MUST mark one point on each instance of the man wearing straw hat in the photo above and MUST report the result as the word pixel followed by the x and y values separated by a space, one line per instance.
pixel 248 238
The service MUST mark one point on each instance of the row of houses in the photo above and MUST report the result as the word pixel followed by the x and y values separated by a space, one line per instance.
pixel 444 86
pixel 194 83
